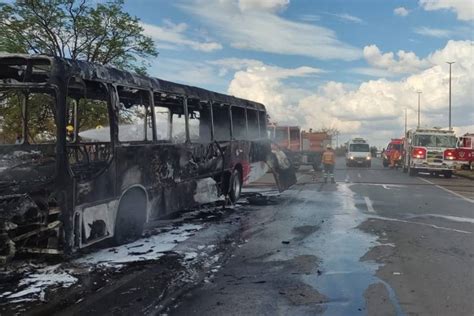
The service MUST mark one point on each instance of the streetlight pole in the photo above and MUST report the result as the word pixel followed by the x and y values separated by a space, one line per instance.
pixel 405 121
pixel 450 64
pixel 419 97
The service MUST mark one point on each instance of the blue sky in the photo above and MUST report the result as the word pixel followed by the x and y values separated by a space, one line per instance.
pixel 351 65
pixel 356 23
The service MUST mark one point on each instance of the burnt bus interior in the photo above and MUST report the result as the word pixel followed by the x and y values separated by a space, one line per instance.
pixel 70 127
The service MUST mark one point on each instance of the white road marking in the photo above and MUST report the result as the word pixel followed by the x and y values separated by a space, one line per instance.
pixel 420 223
pixel 370 206
pixel 447 190
pixel 451 218
pixel 385 187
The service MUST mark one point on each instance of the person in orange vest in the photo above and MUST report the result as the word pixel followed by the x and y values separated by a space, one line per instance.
pixel 329 160
pixel 394 157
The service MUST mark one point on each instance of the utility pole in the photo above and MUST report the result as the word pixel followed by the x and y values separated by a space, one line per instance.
pixel 450 64
pixel 419 97
pixel 405 121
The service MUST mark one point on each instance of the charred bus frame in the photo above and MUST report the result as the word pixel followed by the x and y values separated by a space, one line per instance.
pixel 111 181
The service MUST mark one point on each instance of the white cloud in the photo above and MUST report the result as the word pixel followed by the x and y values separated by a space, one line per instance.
pixel 171 36
pixel 263 5
pixel 261 30
pixel 264 83
pixel 347 17
pixel 406 62
pixel 374 109
pixel 433 32
pixel 401 11
pixel 463 8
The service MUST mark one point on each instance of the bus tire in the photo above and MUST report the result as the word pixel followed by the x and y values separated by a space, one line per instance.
pixel 448 174
pixel 235 186
pixel 131 217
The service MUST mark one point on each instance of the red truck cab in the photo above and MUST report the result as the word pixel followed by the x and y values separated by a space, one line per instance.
pixel 465 151
pixel 394 144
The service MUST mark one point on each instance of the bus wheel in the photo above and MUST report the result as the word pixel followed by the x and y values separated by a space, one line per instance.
pixel 448 174
pixel 235 186
pixel 131 217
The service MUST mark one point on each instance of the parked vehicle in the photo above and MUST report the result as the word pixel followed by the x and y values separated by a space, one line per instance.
pixel 358 153
pixel 313 145
pixel 465 151
pixel 89 152
pixel 394 144
pixel 288 139
pixel 430 150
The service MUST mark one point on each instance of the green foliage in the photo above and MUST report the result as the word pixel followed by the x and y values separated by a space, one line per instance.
pixel 76 29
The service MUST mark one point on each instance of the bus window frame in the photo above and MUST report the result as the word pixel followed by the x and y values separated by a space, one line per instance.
pixel 229 125
pixel 148 107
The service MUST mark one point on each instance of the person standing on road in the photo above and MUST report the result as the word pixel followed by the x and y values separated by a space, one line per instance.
pixel 394 158
pixel 329 160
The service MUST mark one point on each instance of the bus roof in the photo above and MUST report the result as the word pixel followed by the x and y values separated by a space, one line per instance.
pixel 97 72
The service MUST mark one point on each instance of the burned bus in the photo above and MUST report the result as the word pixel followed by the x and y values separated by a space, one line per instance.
pixel 89 152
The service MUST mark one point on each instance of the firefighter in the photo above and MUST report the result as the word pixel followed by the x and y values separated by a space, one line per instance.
pixel 329 160
pixel 70 133
pixel 394 157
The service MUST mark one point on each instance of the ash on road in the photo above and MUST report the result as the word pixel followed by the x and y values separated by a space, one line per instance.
pixel 377 242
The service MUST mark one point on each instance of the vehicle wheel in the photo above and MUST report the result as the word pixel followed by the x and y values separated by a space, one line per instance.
pixel 448 174
pixel 412 172
pixel 235 186
pixel 369 164
pixel 385 164
pixel 405 169
pixel 130 218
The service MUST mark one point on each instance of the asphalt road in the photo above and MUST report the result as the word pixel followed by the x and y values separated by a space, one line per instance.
pixel 377 242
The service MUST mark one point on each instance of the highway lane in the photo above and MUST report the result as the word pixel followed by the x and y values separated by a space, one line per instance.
pixel 376 242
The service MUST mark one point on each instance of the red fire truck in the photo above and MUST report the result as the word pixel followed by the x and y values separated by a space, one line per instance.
pixel 395 144
pixel 465 151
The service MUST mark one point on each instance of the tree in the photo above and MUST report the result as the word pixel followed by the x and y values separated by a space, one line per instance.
pixel 76 29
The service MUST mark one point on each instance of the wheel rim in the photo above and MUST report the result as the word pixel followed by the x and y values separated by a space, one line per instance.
pixel 236 187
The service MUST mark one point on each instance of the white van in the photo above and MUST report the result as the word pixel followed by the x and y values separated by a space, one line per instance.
pixel 358 153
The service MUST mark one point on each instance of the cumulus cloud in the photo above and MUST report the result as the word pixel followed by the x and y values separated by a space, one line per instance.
pixel 263 30
pixel 464 9
pixel 406 62
pixel 375 108
pixel 171 36
pixel 401 11
pixel 266 84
